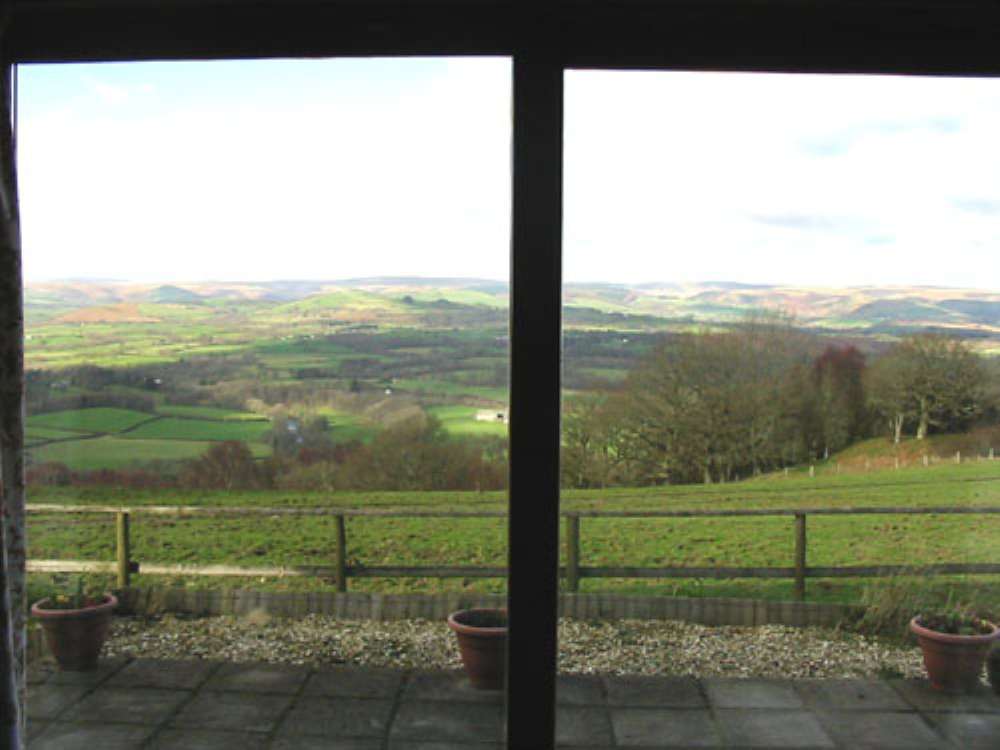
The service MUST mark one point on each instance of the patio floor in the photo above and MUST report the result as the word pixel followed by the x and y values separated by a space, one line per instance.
pixel 196 704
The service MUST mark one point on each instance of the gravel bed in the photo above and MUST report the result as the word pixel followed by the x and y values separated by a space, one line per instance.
pixel 622 647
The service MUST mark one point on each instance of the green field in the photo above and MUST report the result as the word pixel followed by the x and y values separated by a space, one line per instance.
pixel 174 428
pixel 451 388
pixel 123 452
pixel 32 432
pixel 461 420
pixel 97 420
pixel 207 412
pixel 766 541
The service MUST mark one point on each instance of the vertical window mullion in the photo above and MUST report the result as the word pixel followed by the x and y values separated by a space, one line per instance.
pixel 536 292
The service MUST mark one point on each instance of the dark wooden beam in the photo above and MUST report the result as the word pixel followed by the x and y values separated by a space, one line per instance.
pixel 214 29
pixel 878 36
pixel 536 335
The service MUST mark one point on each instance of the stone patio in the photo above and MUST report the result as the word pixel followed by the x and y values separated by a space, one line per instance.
pixel 196 704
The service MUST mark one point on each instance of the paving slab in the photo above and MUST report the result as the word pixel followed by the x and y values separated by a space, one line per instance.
pixel 258 678
pixel 39 672
pixel 181 739
pixel 237 712
pixel 921 695
pixel 772 729
pixel 337 717
pixel 665 727
pixel 66 736
pixel 579 690
pixel 850 695
pixel 661 692
pixel 304 742
pixel 583 726
pixel 127 706
pixel 90 677
pixel 755 693
pixel 447 686
pixel 47 701
pixel 870 730
pixel 355 682
pixel 969 731
pixel 434 720
pixel 158 673
pixel 35 727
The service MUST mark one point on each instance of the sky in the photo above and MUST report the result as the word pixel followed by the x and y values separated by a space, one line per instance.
pixel 332 169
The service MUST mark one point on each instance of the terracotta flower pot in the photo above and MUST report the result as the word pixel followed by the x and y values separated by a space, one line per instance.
pixel 993 666
pixel 76 636
pixel 954 662
pixel 482 640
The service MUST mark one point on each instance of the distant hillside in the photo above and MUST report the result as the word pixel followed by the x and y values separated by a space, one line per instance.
pixel 395 300
pixel 123 313
pixel 173 295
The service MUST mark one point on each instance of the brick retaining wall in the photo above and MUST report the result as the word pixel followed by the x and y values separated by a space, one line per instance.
pixel 368 606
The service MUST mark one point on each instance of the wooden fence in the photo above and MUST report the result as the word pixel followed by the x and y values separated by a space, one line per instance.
pixel 124 566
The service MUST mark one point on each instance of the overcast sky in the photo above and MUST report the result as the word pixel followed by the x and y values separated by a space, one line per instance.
pixel 345 168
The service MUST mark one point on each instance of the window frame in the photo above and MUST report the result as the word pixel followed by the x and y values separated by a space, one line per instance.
pixel 543 39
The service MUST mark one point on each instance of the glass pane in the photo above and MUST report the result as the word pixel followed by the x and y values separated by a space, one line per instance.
pixel 267 389
pixel 781 329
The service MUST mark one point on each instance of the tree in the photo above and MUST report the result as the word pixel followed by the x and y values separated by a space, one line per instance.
pixel 710 406
pixel 932 380
pixel 229 465
pixel 838 377
pixel 889 392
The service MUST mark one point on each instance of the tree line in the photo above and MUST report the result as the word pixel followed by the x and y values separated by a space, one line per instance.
pixel 719 406
pixel 413 454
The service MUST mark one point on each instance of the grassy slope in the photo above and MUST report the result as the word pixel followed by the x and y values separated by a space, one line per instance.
pixel 122 452
pixel 171 428
pixel 461 420
pixel 90 420
pixel 850 540
pixel 207 412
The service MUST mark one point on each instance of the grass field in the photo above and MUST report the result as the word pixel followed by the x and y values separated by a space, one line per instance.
pixel 207 412
pixel 837 540
pixel 123 452
pixel 49 433
pixel 451 388
pixel 97 420
pixel 461 420
pixel 173 428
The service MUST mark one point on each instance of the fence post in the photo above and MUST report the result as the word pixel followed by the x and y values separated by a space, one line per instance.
pixel 573 553
pixel 123 548
pixel 991 454
pixel 926 460
pixel 341 554
pixel 800 556
pixel 812 471
pixel 958 457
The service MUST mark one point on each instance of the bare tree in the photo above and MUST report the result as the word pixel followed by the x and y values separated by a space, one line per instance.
pixel 935 381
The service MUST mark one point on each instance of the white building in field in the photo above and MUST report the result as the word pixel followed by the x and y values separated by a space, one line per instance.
pixel 492 415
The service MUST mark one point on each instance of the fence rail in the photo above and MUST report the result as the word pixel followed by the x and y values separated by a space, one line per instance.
pixel 124 566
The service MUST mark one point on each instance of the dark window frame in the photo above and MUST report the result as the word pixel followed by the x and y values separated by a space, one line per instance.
pixel 934 37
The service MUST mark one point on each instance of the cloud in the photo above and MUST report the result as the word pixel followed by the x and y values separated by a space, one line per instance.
pixel 330 169
pixel 981 206
pixel 839 143
pixel 818 222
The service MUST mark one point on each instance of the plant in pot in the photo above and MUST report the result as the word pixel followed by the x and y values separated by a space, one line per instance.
pixel 482 641
pixel 76 626
pixel 954 645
